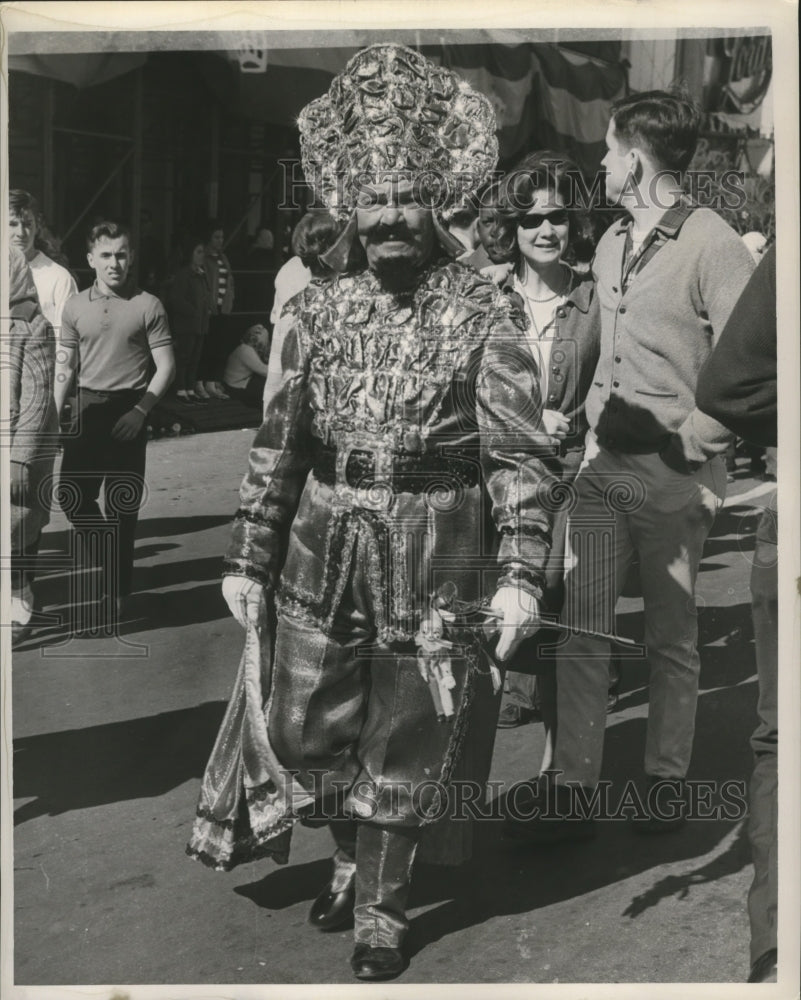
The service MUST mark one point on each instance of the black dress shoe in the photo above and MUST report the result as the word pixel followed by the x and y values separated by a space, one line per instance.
pixel 666 807
pixel 376 963
pixel 539 813
pixel 332 911
pixel 513 715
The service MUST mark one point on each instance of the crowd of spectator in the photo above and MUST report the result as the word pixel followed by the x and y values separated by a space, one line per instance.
pixel 591 293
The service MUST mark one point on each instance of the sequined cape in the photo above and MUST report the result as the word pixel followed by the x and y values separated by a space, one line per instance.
pixel 443 373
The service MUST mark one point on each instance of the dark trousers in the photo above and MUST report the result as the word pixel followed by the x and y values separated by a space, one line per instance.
pixel 536 681
pixel 188 352
pixel 762 825
pixel 218 343
pixel 22 571
pixel 252 394
pixel 94 459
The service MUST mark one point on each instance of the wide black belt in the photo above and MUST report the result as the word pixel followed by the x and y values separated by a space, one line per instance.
pixel 406 473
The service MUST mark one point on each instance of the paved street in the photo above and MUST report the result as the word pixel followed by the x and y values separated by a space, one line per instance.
pixel 112 734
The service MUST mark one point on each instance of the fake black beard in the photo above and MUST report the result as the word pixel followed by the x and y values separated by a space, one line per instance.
pixel 398 275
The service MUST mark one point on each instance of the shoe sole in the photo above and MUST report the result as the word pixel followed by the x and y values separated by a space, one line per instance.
pixel 383 977
pixel 523 720
pixel 367 977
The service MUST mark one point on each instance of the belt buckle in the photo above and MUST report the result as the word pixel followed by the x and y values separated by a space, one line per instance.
pixel 379 495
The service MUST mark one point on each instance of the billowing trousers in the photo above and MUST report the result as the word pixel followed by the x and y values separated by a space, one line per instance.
pixel 762 824
pixel 358 722
pixel 633 506
pixel 380 859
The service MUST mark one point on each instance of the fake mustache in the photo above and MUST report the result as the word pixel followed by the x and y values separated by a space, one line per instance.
pixel 399 232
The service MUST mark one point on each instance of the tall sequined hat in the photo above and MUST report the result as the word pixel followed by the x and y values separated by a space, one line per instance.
pixel 393 110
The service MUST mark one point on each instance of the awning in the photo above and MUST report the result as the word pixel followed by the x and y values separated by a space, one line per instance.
pixel 86 69
pixel 545 95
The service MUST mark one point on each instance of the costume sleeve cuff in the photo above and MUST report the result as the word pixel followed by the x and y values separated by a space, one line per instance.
pixel 233 567
pixel 516 575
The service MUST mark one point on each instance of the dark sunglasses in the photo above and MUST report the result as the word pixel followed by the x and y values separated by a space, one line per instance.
pixel 559 217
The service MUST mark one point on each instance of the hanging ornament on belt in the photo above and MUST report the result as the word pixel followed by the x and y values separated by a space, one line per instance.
pixel 434 663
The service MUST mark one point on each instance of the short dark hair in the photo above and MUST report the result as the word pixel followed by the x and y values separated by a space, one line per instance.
pixel 315 233
pixel 546 170
pixel 211 227
pixel 110 229
pixel 23 203
pixel 664 123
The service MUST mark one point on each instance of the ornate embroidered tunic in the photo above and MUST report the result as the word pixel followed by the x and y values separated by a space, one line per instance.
pixel 398 416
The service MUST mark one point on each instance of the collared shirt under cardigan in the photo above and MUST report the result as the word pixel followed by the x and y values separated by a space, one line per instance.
pixel 658 330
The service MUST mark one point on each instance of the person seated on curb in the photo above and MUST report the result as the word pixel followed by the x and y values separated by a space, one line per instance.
pixel 246 368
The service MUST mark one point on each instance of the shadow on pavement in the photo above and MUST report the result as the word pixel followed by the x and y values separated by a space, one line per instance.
pixel 146 611
pixel 736 856
pixel 284 887
pixel 170 527
pixel 504 878
pixel 138 758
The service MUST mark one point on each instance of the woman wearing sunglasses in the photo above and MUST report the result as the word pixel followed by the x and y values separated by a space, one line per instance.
pixel 541 223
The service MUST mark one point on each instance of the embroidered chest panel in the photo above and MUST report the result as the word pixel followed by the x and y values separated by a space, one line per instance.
pixel 383 363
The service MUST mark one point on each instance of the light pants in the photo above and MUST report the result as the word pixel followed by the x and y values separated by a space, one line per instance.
pixel 633 506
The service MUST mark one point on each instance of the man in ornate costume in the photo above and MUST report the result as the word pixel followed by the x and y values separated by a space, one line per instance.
pixel 394 480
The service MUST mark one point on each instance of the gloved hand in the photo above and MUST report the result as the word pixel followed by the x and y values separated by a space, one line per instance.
pixel 246 599
pixel 518 618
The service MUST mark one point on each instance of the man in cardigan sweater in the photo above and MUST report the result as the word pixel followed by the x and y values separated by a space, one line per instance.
pixel 653 477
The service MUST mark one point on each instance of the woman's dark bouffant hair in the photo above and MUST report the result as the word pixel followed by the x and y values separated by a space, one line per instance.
pixel 187 243
pixel 547 170
pixel 315 233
